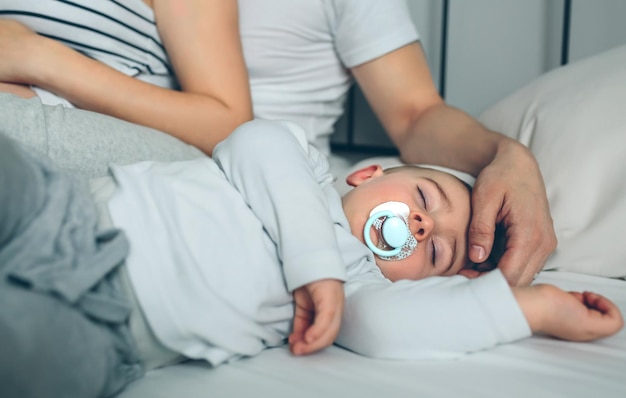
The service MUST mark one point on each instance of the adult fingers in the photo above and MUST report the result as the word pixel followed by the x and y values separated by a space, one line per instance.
pixel 526 252
pixel 522 256
pixel 485 208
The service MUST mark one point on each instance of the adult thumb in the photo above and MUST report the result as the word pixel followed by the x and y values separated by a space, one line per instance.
pixel 482 229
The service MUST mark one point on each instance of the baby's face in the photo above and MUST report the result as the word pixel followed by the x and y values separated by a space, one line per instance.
pixel 439 215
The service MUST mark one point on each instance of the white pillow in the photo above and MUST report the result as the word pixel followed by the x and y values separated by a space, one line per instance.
pixel 573 119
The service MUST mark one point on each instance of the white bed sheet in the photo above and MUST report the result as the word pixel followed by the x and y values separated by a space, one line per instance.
pixel 536 367
pixel 566 111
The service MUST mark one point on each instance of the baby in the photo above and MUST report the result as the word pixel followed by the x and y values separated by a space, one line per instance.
pixel 435 206
pixel 232 238
pixel 233 254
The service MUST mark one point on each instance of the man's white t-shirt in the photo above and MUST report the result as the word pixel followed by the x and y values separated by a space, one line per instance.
pixel 299 53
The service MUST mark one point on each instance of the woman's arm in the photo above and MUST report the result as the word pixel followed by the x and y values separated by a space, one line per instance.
pixel 202 41
pixel 17 89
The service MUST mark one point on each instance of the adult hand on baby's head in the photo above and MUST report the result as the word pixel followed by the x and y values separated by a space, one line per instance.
pixel 473 270
pixel 317 318
pixel 510 191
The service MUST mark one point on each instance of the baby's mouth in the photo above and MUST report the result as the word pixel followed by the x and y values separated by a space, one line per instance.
pixel 380 240
pixel 391 238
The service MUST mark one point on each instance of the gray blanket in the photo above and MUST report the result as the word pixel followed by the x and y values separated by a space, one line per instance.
pixel 85 143
pixel 63 318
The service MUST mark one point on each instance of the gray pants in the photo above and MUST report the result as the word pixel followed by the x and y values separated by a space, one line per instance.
pixel 85 143
pixel 49 349
pixel 63 319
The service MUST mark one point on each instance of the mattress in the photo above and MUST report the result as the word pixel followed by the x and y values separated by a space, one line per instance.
pixel 536 367
pixel 584 173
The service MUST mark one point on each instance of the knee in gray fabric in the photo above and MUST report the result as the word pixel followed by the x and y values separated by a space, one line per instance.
pixel 48 349
pixel 19 185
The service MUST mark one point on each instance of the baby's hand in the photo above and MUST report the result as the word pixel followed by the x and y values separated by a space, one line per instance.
pixel 571 315
pixel 585 316
pixel 317 318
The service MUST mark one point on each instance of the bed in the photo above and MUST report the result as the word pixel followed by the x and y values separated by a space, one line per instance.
pixel 536 367
pixel 573 120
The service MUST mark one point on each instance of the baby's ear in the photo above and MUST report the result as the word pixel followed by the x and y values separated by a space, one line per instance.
pixel 366 173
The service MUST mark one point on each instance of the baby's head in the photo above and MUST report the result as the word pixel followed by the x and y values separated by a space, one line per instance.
pixel 438 217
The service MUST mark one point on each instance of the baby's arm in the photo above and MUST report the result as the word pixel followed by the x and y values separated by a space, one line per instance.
pixel 444 317
pixel 317 318
pixel 437 317
pixel 282 179
pixel 568 315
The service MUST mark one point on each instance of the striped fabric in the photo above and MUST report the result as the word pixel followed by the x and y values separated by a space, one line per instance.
pixel 119 33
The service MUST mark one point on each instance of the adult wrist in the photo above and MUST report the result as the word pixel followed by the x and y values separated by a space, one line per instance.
pixel 510 148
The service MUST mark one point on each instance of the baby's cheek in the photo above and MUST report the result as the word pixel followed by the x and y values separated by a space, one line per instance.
pixel 412 268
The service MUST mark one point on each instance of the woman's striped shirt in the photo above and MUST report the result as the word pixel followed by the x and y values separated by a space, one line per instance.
pixel 120 33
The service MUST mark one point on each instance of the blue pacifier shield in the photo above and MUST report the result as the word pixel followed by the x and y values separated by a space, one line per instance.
pixel 390 223
pixel 395 231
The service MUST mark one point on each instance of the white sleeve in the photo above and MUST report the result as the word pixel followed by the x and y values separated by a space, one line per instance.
pixel 368 29
pixel 437 317
pixel 281 177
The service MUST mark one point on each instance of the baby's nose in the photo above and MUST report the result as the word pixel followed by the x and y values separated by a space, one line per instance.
pixel 421 225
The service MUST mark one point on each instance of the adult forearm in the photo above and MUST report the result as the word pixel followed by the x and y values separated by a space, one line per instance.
pixel 447 136
pixel 509 188
pixel 17 89
pixel 198 118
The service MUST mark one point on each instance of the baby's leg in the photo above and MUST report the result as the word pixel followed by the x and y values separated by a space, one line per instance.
pixel 85 143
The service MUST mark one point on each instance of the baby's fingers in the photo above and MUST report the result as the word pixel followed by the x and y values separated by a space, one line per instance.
pixel 301 323
pixel 318 337
pixel 610 313
pixel 602 305
pixel 327 297
pixel 322 326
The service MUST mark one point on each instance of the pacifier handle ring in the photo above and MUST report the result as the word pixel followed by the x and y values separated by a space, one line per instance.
pixel 368 240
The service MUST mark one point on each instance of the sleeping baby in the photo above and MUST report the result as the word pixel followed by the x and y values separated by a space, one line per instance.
pixel 219 258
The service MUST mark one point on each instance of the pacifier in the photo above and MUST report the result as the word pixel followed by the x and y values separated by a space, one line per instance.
pixel 395 240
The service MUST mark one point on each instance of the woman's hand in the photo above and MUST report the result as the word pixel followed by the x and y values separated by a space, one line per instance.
pixel 203 45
